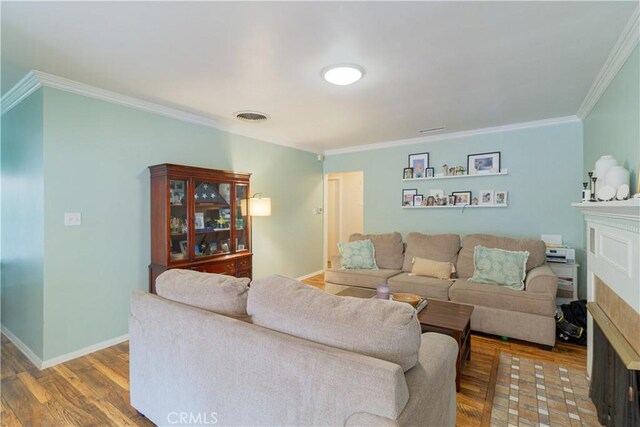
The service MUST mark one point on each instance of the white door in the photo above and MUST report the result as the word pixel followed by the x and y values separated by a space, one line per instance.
pixel 344 205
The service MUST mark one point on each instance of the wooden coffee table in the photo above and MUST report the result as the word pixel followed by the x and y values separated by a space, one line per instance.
pixel 451 319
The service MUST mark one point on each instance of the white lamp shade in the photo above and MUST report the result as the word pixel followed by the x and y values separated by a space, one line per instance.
pixel 260 206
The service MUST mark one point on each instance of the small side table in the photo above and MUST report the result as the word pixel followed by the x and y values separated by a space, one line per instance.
pixel 451 319
pixel 567 281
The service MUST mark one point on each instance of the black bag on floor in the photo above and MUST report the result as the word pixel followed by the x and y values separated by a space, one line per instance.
pixel 571 322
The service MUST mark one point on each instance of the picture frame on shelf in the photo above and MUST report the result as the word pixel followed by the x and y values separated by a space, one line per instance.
pixel 462 197
pixel 483 163
pixel 417 200
pixel 199 220
pixel 430 173
pixel 419 162
pixel 451 200
pixel 407 173
pixel 501 198
pixel 487 197
pixel 431 201
pixel 183 247
pixel 407 196
pixel 176 192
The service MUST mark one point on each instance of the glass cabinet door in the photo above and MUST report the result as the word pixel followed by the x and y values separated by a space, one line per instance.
pixel 178 219
pixel 212 218
pixel 241 218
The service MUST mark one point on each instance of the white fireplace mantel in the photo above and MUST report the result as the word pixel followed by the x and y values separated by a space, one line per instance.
pixel 622 209
pixel 613 251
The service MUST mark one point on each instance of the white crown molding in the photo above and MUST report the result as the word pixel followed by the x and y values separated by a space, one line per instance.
pixel 453 135
pixel 618 56
pixel 22 347
pixel 25 87
pixel 36 79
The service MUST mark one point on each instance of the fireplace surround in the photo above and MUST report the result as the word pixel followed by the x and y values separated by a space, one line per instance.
pixel 613 294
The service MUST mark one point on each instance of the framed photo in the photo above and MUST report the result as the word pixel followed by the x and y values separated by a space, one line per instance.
pixel 452 200
pixel 438 194
pixel 176 192
pixel 501 198
pixel 487 197
pixel 184 248
pixel 199 220
pixel 431 201
pixel 419 162
pixel 407 197
pixel 462 197
pixel 483 163
pixel 430 173
pixel 407 173
pixel 417 200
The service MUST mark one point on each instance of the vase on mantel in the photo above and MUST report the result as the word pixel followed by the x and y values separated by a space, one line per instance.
pixel 616 176
pixel 602 166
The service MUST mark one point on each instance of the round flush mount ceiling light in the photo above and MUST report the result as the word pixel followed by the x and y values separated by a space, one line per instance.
pixel 343 74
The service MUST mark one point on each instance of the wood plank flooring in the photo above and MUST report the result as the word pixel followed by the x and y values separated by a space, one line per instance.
pixel 93 390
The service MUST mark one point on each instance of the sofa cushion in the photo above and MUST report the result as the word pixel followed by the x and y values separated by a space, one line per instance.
pixel 431 268
pixel 429 287
pixel 437 247
pixel 365 278
pixel 481 294
pixel 499 267
pixel 535 247
pixel 379 328
pixel 358 254
pixel 214 292
pixel 388 248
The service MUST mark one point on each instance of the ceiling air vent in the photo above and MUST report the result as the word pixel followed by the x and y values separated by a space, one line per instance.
pixel 251 116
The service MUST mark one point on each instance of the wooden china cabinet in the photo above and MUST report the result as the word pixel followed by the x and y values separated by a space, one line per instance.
pixel 199 221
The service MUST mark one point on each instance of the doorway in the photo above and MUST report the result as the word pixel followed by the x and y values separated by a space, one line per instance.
pixel 344 207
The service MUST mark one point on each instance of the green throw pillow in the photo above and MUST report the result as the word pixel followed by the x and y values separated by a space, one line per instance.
pixel 357 255
pixel 500 267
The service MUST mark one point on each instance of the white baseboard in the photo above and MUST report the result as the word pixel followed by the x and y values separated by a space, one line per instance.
pixel 22 347
pixel 40 364
pixel 83 351
pixel 306 276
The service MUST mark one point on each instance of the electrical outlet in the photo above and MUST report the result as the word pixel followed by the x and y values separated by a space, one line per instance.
pixel 317 211
pixel 72 218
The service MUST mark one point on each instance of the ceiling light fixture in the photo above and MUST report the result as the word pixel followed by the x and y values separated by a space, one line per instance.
pixel 342 74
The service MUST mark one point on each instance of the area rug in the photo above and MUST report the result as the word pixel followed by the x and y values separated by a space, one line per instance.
pixel 538 393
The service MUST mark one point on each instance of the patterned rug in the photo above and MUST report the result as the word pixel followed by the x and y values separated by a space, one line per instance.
pixel 536 393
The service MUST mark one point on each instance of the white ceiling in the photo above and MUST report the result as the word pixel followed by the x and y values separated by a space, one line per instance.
pixel 463 65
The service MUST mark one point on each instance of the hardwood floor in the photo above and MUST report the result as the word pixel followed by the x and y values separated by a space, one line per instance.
pixel 93 390
pixel 475 396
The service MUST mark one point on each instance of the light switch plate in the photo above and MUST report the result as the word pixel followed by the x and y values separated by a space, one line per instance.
pixel 72 218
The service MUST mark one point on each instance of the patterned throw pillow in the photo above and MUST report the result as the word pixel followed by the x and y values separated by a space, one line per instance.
pixel 499 267
pixel 357 255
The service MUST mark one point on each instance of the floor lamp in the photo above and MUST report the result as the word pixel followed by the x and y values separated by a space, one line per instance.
pixel 258 206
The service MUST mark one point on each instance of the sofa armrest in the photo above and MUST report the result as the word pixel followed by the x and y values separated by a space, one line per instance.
pixel 335 262
pixel 541 280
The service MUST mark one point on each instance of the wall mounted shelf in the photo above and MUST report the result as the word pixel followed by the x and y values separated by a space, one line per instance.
pixel 437 177
pixel 455 206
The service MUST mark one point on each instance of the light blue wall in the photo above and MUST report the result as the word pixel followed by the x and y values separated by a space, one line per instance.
pixel 22 222
pixel 96 156
pixel 613 126
pixel 544 164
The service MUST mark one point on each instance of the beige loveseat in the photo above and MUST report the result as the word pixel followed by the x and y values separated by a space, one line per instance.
pixel 527 315
pixel 283 353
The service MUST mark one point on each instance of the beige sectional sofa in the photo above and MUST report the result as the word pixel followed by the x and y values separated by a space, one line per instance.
pixel 207 350
pixel 527 315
